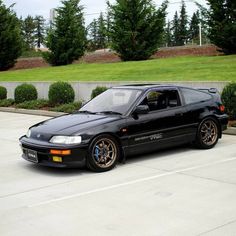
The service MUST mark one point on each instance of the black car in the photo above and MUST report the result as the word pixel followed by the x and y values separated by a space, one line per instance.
pixel 127 120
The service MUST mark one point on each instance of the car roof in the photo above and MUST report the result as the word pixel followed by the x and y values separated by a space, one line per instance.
pixel 145 86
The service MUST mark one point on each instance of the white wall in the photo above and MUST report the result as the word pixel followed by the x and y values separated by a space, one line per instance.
pixel 83 90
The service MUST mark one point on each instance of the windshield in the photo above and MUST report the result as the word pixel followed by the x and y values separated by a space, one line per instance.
pixel 112 101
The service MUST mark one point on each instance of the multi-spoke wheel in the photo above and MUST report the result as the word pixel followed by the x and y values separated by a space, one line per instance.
pixel 103 153
pixel 208 134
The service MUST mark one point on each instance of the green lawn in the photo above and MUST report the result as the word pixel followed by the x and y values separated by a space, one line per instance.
pixel 218 68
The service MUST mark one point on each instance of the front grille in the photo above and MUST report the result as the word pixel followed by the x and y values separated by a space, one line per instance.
pixel 37 149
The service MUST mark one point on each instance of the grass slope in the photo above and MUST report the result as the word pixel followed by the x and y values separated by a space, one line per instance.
pixel 221 68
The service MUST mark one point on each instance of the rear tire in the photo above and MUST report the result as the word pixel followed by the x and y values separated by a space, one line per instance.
pixel 104 153
pixel 207 134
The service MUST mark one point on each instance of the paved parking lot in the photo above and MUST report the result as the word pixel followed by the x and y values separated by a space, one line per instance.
pixel 181 191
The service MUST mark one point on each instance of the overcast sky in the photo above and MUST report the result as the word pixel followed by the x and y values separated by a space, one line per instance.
pixel 91 7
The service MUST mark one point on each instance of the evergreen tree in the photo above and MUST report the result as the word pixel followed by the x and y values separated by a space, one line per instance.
pixel 175 30
pixel 92 30
pixel 66 39
pixel 168 35
pixel 194 27
pixel 183 24
pixel 28 31
pixel 108 25
pixel 102 32
pixel 137 28
pixel 222 24
pixel 10 37
pixel 39 31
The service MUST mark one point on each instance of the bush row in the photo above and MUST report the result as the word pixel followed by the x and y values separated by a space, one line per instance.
pixel 59 93
pixel 62 95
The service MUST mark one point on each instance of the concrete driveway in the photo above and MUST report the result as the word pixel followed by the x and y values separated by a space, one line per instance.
pixel 182 191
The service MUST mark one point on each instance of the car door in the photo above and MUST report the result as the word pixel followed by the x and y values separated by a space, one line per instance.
pixel 164 125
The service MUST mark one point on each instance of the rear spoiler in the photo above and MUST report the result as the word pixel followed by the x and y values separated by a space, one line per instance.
pixel 211 90
pixel 214 92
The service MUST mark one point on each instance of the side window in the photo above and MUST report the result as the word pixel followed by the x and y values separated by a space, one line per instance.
pixel 193 96
pixel 159 100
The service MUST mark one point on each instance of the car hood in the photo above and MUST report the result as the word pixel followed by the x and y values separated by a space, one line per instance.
pixel 70 124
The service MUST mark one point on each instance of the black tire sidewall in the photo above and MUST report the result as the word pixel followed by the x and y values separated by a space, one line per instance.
pixel 90 161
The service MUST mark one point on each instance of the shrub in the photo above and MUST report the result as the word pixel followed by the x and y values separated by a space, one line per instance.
pixel 33 105
pixel 229 99
pixel 25 92
pixel 6 102
pixel 98 90
pixel 3 93
pixel 68 108
pixel 61 93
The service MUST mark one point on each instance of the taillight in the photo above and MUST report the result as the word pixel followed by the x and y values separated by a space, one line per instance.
pixel 222 108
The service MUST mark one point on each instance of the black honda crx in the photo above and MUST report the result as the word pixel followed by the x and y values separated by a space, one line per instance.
pixel 127 120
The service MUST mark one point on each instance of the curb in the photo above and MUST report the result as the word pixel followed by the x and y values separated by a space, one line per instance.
pixel 230 131
pixel 32 112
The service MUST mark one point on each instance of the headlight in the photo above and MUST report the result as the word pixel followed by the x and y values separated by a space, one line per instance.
pixel 66 139
pixel 28 134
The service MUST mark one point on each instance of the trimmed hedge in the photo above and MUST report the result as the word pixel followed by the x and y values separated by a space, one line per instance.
pixel 68 108
pixel 34 104
pixel 6 102
pixel 229 99
pixel 61 93
pixel 97 91
pixel 3 93
pixel 25 92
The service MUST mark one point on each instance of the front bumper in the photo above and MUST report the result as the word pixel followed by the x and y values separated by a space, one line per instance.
pixel 77 158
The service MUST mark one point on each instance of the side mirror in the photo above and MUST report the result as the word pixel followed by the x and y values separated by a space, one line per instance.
pixel 142 109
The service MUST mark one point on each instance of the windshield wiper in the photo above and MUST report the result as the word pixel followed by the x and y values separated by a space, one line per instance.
pixel 87 112
pixel 110 112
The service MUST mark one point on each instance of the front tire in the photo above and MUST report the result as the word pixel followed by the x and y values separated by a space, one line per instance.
pixel 103 154
pixel 207 134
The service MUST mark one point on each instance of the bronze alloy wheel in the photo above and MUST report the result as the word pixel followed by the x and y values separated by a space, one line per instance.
pixel 209 133
pixel 104 153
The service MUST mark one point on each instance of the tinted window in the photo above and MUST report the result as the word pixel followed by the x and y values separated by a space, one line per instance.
pixel 193 96
pixel 159 100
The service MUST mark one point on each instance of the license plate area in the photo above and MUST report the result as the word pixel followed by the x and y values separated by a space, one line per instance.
pixel 31 155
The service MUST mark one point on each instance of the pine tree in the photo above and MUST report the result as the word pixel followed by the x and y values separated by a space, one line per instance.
pixel 39 31
pixel 102 32
pixel 222 24
pixel 168 35
pixel 66 39
pixel 28 31
pixel 194 27
pixel 92 30
pixel 183 23
pixel 108 25
pixel 137 28
pixel 10 37
pixel 175 30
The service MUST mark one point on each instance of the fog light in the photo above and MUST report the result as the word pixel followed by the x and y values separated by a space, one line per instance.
pixel 57 159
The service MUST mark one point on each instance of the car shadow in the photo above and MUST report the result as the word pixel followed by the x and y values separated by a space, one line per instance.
pixel 132 159
pixel 162 153
pixel 52 171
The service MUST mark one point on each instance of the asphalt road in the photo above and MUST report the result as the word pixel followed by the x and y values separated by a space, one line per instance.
pixel 181 191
